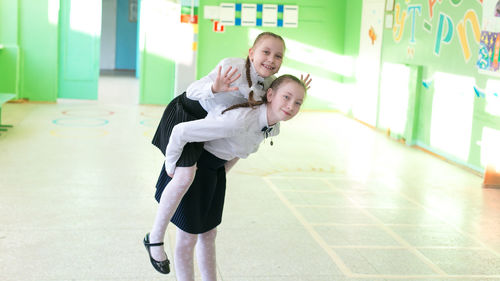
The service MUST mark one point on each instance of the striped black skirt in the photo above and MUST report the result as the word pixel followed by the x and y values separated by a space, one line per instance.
pixel 180 109
pixel 200 210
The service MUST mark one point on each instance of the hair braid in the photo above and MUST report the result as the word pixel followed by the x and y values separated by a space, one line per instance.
pixel 251 101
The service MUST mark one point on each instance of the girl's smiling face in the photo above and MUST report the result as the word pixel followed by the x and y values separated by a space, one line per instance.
pixel 285 102
pixel 267 56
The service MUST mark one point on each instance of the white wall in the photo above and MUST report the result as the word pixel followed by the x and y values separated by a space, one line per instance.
pixel 108 34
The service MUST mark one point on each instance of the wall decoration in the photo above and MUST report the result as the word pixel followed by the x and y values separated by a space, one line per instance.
pixel 399 23
pixel 489 52
pixel 189 11
pixel 412 10
pixel 211 12
pixel 427 26
pixel 431 6
pixel 427 83
pixel 255 14
pixel 290 15
pixel 388 21
pixel 372 35
pixel 269 15
pixel 479 92
pixel 132 10
pixel 389 5
pixel 471 17
pixel 248 14
pixel 489 46
pixel 218 27
pixel 227 13
pixel 446 38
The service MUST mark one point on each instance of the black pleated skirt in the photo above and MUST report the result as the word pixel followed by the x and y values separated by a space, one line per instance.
pixel 180 109
pixel 201 207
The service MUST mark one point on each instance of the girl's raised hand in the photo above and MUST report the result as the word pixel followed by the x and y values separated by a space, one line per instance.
pixel 223 83
pixel 306 80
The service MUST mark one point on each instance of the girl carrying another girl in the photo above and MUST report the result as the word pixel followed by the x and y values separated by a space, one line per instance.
pixel 229 133
pixel 224 86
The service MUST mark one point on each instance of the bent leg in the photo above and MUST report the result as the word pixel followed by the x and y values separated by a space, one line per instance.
pixel 170 199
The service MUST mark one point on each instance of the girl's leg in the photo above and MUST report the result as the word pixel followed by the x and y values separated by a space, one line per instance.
pixel 184 255
pixel 169 201
pixel 229 164
pixel 205 252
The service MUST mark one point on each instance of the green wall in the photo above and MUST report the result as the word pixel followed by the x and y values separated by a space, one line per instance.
pixel 10 53
pixel 157 39
pixel 420 45
pixel 25 29
pixel 38 44
pixel 321 26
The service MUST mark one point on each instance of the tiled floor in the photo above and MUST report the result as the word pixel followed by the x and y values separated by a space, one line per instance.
pixel 331 200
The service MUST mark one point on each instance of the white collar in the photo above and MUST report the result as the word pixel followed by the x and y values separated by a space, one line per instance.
pixel 263 122
pixel 254 75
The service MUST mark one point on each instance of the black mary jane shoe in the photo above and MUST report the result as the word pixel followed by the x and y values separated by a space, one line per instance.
pixel 160 266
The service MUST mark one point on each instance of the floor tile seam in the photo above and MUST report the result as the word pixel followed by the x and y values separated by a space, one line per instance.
pixel 310 191
pixel 303 177
pixel 80 230
pixel 476 240
pixel 321 206
pixel 316 236
pixel 472 237
pixel 423 276
pixel 372 224
pixel 341 224
pixel 402 247
pixel 353 207
pixel 401 240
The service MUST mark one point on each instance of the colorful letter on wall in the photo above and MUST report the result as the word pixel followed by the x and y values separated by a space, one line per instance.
pixel 439 34
pixel 412 9
pixel 431 6
pixel 399 23
pixel 470 16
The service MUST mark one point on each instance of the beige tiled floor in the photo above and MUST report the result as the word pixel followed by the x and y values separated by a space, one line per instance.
pixel 331 200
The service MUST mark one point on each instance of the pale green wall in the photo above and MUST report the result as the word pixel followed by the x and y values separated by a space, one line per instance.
pixel 24 24
pixel 8 38
pixel 451 60
pixel 8 22
pixel 38 43
pixel 352 29
pixel 156 39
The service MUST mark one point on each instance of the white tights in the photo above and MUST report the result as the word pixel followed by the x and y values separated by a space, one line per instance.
pixel 205 254
pixel 169 201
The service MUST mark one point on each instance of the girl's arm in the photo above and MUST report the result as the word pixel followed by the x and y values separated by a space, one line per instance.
pixel 222 75
pixel 196 131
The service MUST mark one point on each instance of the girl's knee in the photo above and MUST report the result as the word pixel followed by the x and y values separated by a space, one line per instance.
pixel 209 235
pixel 184 176
pixel 185 239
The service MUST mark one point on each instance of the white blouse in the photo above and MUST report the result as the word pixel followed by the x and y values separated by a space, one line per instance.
pixel 236 133
pixel 201 90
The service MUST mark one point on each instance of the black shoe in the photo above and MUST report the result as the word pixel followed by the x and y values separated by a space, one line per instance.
pixel 160 266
